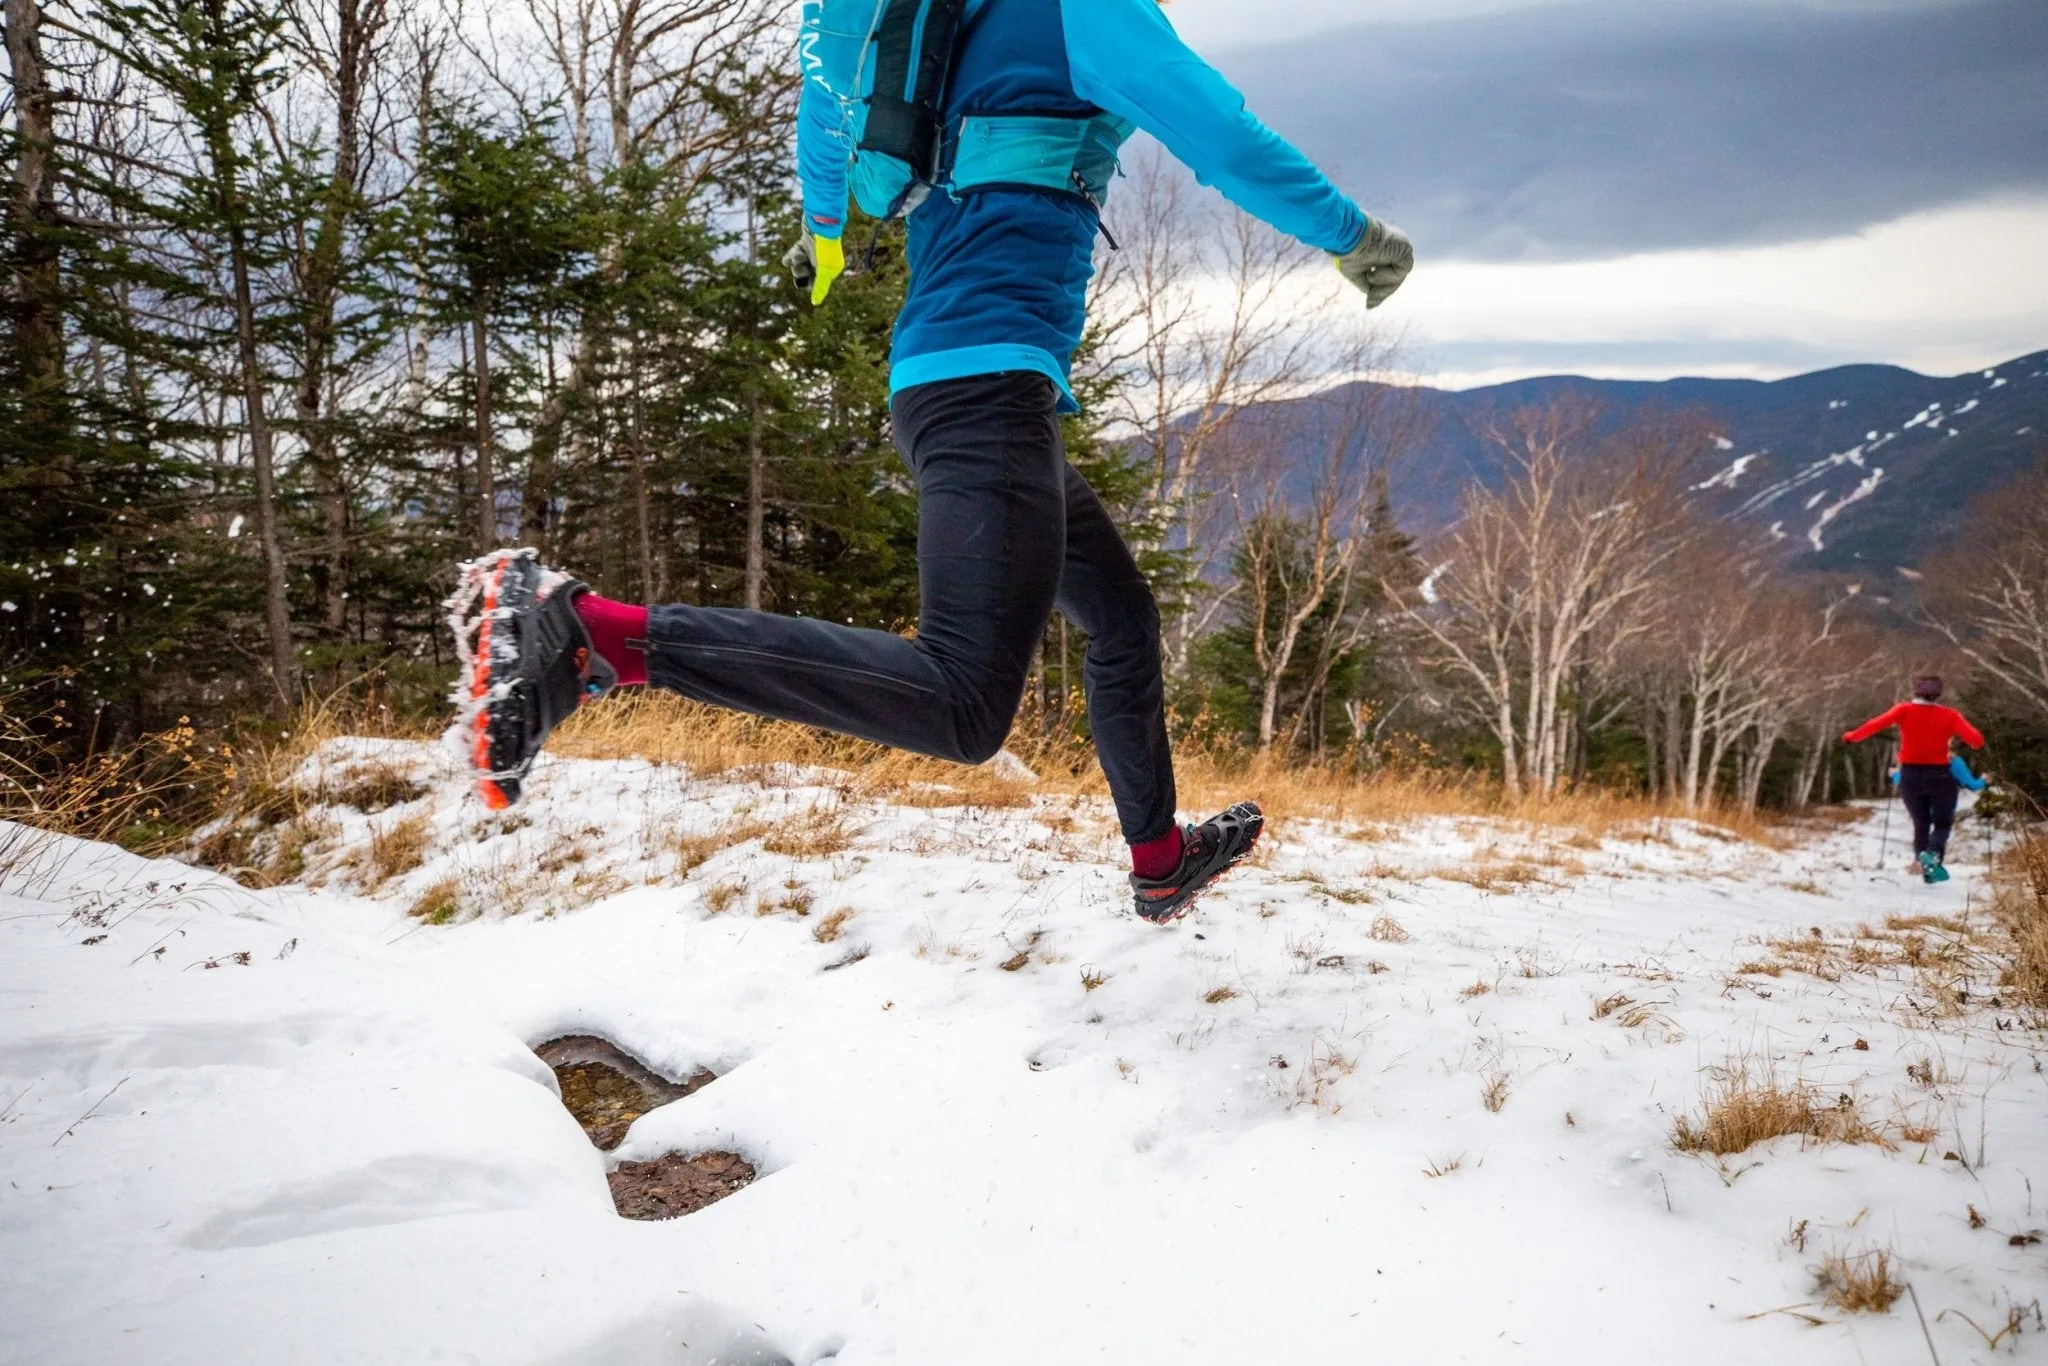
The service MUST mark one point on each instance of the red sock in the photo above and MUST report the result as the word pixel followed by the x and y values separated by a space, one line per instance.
pixel 1157 858
pixel 611 625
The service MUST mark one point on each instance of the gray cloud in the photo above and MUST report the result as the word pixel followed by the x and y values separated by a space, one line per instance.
pixel 1587 129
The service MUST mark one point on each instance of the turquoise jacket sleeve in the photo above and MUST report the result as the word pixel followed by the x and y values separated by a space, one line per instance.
pixel 821 150
pixel 1960 771
pixel 1124 56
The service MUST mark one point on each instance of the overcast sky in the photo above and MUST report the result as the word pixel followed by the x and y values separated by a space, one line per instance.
pixel 1645 188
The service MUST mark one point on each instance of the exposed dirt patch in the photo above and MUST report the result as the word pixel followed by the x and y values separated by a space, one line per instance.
pixel 607 1088
pixel 675 1184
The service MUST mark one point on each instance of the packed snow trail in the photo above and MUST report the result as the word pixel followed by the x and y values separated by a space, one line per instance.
pixel 342 1149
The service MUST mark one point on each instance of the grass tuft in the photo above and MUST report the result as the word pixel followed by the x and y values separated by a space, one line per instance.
pixel 1745 1105
pixel 1859 1283
pixel 397 849
pixel 439 904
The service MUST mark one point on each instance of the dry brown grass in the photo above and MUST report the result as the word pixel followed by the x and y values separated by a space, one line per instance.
pixel 1494 875
pixel 832 926
pixel 815 832
pixel 720 896
pixel 1476 989
pixel 1494 1094
pixel 1387 930
pixel 1746 1104
pixel 665 729
pixel 694 850
pixel 1936 950
pixel 1860 1282
pixel 439 904
pixel 1608 1005
pixel 56 782
pixel 1216 996
pixel 398 848
pixel 369 786
pixel 2021 903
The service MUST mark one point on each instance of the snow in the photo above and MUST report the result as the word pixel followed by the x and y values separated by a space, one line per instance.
pixel 1727 478
pixel 1833 510
pixel 339 1147
pixel 235 527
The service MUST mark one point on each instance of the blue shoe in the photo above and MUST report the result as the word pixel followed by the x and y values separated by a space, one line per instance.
pixel 1931 869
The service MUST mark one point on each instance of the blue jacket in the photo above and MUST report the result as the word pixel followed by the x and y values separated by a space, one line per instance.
pixel 1957 769
pixel 999 278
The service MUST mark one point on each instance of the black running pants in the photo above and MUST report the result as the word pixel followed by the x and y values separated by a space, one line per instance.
pixel 1007 530
pixel 1929 792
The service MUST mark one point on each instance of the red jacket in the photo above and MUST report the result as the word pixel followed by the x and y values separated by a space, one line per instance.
pixel 1924 731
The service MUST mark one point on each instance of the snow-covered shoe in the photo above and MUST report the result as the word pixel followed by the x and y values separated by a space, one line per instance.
pixel 1208 851
pixel 1931 868
pixel 526 664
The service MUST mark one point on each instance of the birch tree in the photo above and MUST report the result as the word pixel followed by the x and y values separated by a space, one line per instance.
pixel 1543 579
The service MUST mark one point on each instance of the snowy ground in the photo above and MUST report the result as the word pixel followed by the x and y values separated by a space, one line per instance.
pixel 998 1119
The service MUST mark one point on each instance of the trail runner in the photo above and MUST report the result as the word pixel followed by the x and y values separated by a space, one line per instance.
pixel 1000 254
pixel 1927 784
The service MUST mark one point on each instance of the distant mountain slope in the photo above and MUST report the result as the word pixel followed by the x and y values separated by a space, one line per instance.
pixel 1863 464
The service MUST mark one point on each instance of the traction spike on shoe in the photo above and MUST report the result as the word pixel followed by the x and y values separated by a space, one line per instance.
pixel 1208 851
pixel 526 663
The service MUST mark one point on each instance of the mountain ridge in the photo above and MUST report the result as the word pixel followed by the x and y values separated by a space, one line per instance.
pixel 1855 466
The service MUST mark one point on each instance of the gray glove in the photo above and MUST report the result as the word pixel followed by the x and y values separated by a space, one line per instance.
pixel 1380 261
pixel 815 262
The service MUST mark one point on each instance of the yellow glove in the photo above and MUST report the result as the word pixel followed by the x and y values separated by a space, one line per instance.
pixel 816 262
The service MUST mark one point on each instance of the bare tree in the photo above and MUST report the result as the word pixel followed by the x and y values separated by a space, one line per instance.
pixel 344 46
pixel 1991 599
pixel 1540 582
pixel 1198 311
pixel 1304 481
pixel 38 313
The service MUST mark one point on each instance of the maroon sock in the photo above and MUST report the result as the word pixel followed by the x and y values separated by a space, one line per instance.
pixel 611 625
pixel 1157 858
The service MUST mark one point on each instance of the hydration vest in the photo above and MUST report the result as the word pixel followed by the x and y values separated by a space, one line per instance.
pixel 886 63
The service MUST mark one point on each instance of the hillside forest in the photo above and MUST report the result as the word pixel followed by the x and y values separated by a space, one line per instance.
pixel 308 300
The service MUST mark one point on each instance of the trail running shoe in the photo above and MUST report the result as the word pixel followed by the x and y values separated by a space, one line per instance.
pixel 1208 851
pixel 527 663
pixel 1931 867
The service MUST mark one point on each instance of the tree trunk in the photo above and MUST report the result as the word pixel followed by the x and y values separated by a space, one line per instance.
pixel 757 511
pixel 227 191
pixel 276 605
pixel 320 288
pixel 643 511
pixel 486 488
pixel 38 308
